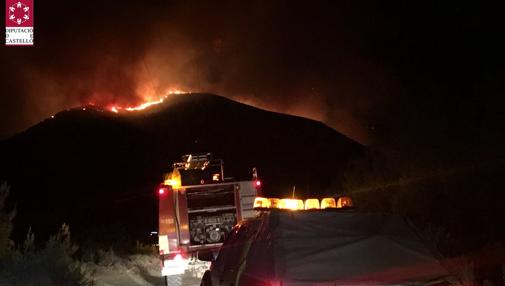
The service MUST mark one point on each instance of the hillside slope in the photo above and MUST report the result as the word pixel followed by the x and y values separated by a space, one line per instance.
pixel 98 170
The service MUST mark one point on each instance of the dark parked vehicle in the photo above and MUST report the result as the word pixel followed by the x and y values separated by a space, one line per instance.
pixel 324 247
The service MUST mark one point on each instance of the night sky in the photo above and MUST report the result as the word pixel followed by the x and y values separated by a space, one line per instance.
pixel 355 65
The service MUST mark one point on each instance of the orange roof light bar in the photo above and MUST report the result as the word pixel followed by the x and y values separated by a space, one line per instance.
pixel 328 203
pixel 344 202
pixel 274 202
pixel 311 204
pixel 291 204
pixel 261 203
pixel 308 204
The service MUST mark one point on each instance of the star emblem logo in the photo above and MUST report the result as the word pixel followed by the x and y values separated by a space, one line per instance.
pixel 19 13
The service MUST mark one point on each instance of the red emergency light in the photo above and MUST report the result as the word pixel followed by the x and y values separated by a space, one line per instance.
pixel 258 183
pixel 162 191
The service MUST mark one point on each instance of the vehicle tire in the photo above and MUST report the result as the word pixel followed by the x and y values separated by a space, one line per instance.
pixel 206 280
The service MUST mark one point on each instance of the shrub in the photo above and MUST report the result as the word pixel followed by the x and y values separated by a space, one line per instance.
pixel 146 249
pixel 5 220
pixel 52 265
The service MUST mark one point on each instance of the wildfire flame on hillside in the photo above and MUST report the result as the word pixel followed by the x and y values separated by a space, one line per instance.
pixel 146 104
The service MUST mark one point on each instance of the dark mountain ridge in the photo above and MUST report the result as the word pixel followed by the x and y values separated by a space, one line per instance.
pixel 96 169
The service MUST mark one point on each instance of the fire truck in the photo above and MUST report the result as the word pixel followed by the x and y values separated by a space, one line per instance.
pixel 198 208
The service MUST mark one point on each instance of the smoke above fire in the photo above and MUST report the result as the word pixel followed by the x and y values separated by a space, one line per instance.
pixel 302 60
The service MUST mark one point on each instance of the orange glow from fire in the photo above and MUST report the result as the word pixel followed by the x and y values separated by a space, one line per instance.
pixel 146 104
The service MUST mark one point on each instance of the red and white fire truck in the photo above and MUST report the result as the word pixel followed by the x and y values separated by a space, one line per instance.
pixel 198 207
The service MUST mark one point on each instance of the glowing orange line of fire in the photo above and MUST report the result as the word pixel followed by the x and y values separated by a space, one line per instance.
pixel 144 105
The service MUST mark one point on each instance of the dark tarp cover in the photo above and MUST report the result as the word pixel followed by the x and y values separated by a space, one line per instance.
pixel 346 248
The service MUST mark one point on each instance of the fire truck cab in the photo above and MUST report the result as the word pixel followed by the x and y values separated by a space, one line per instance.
pixel 198 208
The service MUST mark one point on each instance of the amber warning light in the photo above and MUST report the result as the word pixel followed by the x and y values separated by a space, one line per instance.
pixel 308 204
